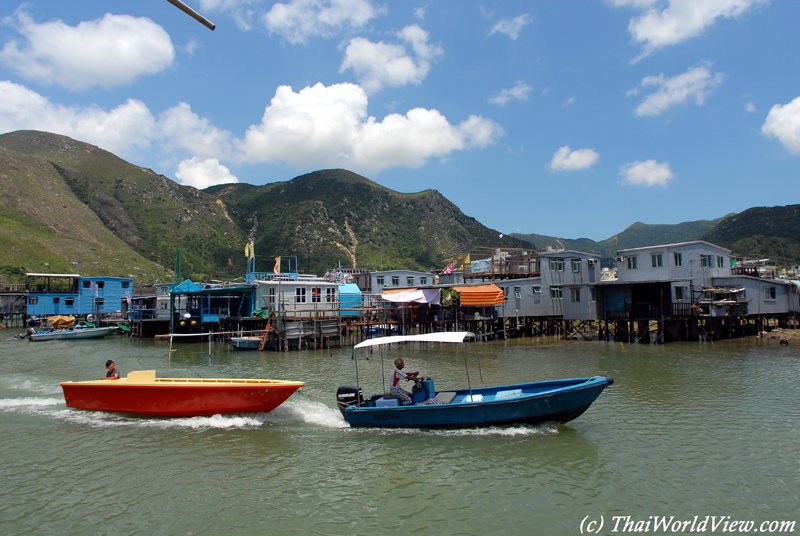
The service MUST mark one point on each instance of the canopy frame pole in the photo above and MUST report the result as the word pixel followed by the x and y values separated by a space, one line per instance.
pixel 478 355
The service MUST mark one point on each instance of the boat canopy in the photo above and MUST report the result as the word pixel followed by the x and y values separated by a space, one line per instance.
pixel 449 336
pixel 425 295
pixel 481 295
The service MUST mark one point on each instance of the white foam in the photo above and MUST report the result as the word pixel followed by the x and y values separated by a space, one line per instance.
pixel 507 431
pixel 12 404
pixel 309 411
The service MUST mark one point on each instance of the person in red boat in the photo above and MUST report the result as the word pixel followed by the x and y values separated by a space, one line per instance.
pixel 113 372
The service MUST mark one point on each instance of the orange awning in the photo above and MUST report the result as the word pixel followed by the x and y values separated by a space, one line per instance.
pixel 481 295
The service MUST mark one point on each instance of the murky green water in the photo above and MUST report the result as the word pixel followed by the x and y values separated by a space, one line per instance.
pixel 687 430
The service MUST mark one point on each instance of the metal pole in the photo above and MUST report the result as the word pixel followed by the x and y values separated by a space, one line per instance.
pixel 194 14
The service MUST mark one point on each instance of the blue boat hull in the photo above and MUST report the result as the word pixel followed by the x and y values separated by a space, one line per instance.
pixel 532 403
pixel 246 343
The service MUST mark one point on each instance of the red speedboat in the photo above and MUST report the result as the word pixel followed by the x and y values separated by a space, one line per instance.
pixel 141 392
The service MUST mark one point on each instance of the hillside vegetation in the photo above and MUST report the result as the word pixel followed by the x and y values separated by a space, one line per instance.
pixel 73 207
pixel 68 206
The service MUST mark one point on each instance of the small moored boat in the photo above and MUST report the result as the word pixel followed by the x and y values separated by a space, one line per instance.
pixel 141 392
pixel 246 343
pixel 530 403
pixel 72 333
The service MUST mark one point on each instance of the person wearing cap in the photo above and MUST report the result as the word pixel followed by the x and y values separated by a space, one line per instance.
pixel 113 371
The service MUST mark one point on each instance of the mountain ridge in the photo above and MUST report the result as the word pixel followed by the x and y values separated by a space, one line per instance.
pixel 69 206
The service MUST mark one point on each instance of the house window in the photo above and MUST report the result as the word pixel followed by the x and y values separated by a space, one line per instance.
pixel 330 295
pixel 720 261
pixel 410 280
pixel 656 260
pixel 126 284
pixel 33 300
pixel 56 299
pixel 101 284
pixel 537 294
pixel 272 297
pixel 300 295
pixel 680 293
pixel 87 284
pixel 316 295
pixel 575 295
pixel 556 265
pixel 395 280
pixel 576 265
pixel 379 280
pixel 678 259
pixel 593 294
pixel 770 293
pixel 706 261
pixel 98 302
pixel 518 292
pixel 556 293
pixel 423 280
pixel 633 263
pixel 69 301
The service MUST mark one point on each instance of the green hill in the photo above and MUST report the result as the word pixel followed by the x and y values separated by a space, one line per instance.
pixel 72 207
pixel 761 232
pixel 335 217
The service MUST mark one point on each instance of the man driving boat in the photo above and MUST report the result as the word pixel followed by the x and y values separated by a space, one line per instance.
pixel 394 382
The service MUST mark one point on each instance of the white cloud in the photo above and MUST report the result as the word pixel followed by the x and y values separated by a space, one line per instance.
pixel 329 126
pixel 120 130
pixel 565 159
pixel 697 82
pixel 379 64
pixel 202 173
pixel 783 123
pixel 298 20
pixel 241 11
pixel 749 107
pixel 648 173
pixel 107 52
pixel 511 27
pixel 669 22
pixel 316 126
pixel 419 13
pixel 519 91
pixel 180 128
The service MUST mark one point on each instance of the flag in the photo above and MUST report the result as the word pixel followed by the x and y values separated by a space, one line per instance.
pixel 464 262
pixel 128 297
pixel 249 250
pixel 277 268
pixel 449 269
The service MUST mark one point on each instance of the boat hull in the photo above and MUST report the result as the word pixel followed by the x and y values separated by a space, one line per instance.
pixel 69 334
pixel 172 397
pixel 555 401
pixel 246 343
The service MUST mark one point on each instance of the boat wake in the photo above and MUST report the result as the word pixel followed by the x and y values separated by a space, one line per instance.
pixel 523 430
pixel 31 402
pixel 290 412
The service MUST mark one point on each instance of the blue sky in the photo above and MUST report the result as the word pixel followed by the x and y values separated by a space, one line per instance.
pixel 571 118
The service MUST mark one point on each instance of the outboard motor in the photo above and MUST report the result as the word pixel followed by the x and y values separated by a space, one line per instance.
pixel 28 333
pixel 347 396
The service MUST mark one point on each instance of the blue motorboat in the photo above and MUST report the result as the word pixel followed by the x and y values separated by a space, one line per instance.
pixel 530 403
